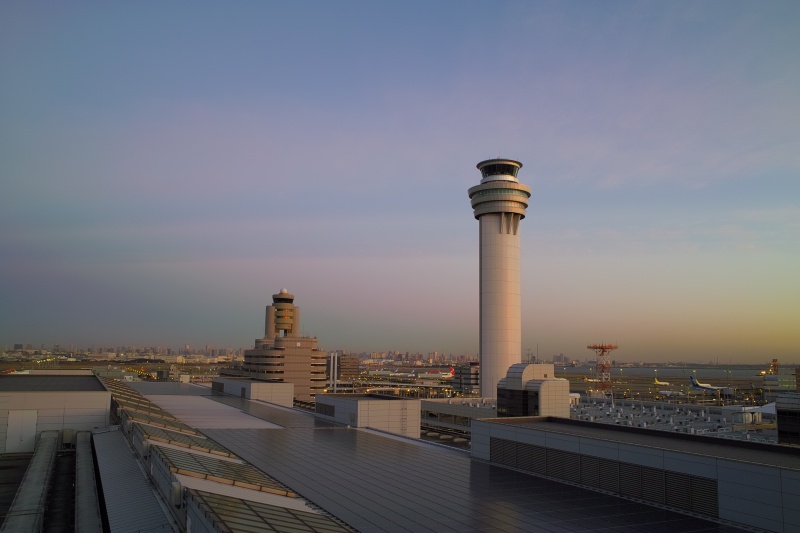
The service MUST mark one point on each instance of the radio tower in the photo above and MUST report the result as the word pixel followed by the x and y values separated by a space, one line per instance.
pixel 603 367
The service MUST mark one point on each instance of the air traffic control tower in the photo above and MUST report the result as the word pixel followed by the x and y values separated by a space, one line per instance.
pixel 499 203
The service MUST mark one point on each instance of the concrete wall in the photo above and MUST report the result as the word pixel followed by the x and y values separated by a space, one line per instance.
pixel 395 416
pixel 277 393
pixel 27 414
pixel 554 398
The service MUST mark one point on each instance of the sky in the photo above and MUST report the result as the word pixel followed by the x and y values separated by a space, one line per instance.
pixel 165 167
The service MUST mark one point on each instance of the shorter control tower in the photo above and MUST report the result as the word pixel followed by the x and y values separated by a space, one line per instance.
pixel 283 355
pixel 283 318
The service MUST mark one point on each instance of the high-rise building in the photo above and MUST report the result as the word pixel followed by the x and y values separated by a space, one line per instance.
pixel 499 203
pixel 283 355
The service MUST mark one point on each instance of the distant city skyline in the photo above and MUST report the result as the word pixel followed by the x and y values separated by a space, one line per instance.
pixel 164 169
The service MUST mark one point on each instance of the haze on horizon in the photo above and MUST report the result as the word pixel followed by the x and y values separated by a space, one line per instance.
pixel 166 168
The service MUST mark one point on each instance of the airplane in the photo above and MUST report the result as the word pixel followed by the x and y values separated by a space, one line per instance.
pixel 703 386
pixel 669 393
pixel 433 374
pixel 663 383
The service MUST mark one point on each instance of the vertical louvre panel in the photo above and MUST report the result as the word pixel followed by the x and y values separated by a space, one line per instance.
pixel 678 490
pixel 704 496
pixel 673 489
pixel 539 460
pixel 510 453
pixel 564 465
pixel 590 471
pixel 501 451
pixel 609 475
pixel 494 450
pixel 653 485
pixel 524 456
pixel 630 480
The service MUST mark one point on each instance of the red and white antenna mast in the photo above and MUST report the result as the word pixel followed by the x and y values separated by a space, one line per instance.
pixel 603 367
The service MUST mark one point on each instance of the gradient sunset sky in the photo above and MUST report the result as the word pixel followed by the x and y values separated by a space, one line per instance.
pixel 165 167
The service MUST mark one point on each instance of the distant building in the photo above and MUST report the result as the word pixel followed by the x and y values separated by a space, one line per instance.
pixel 342 366
pixel 283 355
pixel 467 378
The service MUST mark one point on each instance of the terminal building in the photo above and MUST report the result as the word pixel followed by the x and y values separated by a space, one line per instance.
pixel 186 457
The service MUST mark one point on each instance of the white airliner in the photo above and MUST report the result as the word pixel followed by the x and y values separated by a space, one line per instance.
pixel 435 374
pixel 703 386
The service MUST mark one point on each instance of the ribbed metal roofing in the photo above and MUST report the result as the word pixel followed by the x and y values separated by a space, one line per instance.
pixel 159 419
pixel 176 438
pixel 131 505
pixel 202 412
pixel 226 472
pixel 87 506
pixel 244 516
pixel 376 483
pixel 27 510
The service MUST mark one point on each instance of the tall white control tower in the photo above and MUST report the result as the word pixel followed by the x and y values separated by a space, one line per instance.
pixel 499 203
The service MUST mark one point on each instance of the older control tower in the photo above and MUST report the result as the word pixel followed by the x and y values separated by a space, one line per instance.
pixel 499 203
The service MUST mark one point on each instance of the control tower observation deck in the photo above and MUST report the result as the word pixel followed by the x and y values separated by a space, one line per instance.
pixel 499 203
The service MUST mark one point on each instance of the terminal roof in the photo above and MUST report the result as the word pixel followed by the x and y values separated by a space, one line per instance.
pixel 375 482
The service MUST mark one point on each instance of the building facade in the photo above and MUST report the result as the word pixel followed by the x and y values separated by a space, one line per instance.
pixel 33 403
pixel 466 380
pixel 283 355
pixel 499 204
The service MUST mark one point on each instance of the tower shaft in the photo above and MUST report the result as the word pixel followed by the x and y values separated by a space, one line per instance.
pixel 500 299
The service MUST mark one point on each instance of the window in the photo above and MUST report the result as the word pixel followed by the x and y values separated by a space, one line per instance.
pixel 494 170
